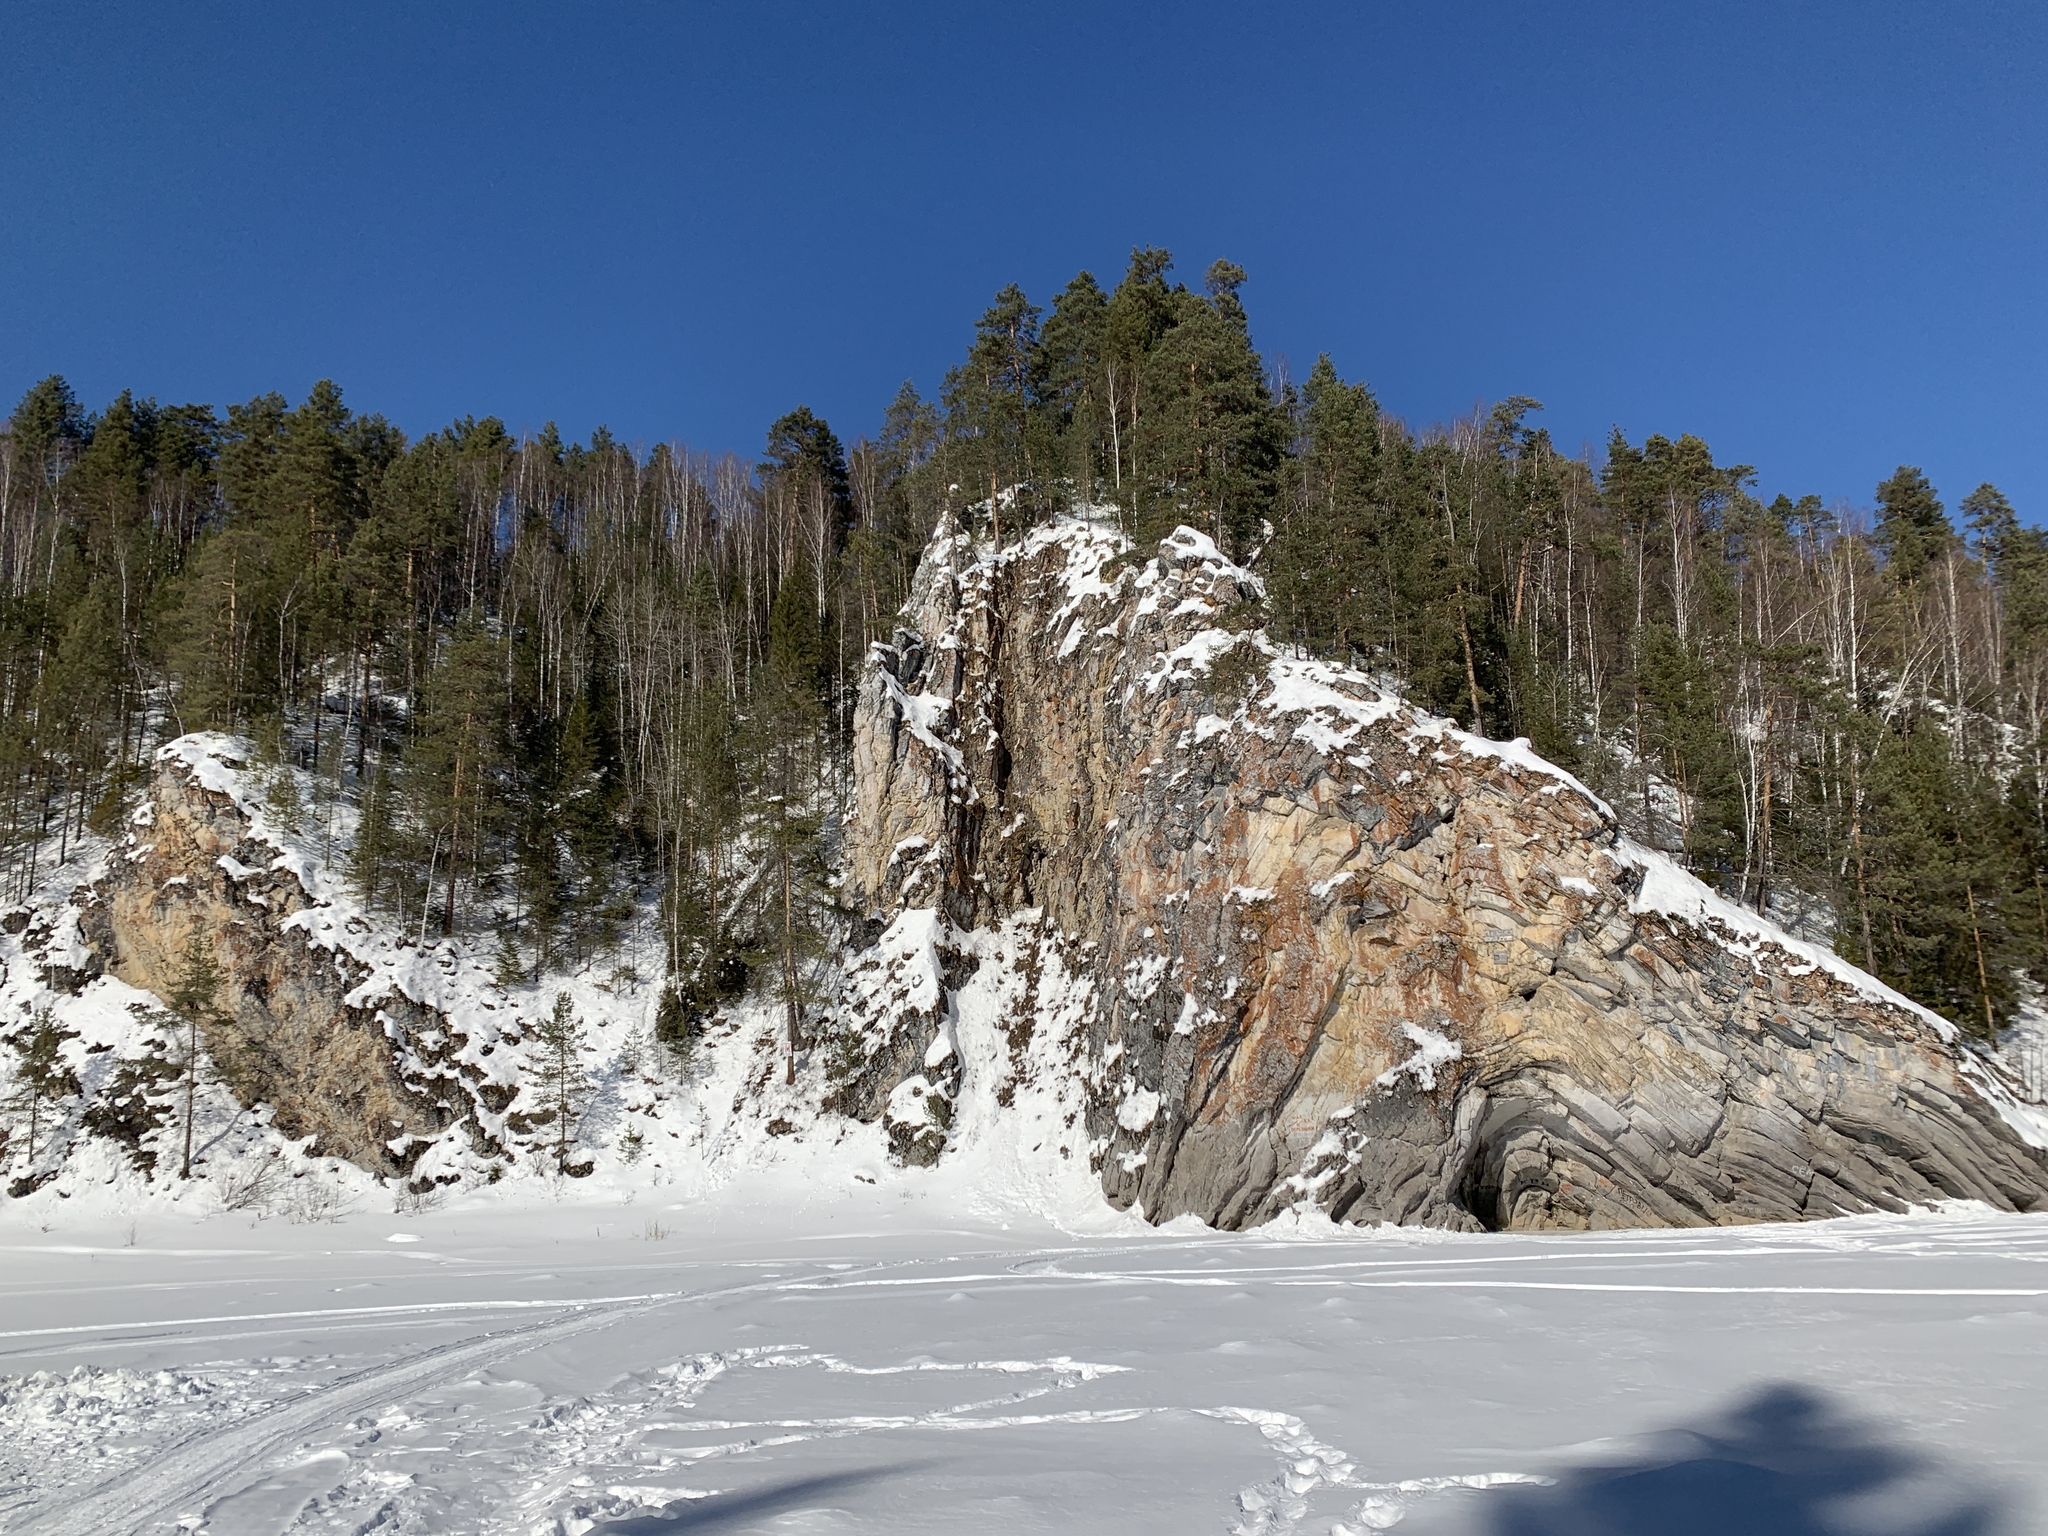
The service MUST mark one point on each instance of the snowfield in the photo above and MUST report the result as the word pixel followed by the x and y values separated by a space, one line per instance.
pixel 787 1357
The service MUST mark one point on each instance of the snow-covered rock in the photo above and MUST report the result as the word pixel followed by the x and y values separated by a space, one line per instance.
pixel 1333 945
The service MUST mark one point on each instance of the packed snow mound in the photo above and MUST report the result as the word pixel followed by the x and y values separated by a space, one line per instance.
pixel 1337 950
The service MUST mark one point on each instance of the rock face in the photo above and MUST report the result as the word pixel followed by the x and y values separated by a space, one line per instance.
pixel 363 1069
pixel 1344 953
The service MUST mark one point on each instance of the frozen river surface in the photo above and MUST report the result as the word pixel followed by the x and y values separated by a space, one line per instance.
pixel 879 1367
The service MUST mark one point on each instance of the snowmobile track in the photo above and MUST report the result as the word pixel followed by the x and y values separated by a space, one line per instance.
pixel 187 1475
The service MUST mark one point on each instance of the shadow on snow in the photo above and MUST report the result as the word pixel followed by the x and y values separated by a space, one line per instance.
pixel 724 1509
pixel 1787 1462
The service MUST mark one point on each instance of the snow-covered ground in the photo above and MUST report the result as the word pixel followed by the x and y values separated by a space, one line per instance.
pixel 903 1359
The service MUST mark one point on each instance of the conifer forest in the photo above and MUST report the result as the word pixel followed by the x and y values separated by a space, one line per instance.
pixel 576 694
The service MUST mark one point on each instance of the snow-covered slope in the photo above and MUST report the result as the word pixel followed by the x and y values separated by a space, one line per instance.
pixel 355 1067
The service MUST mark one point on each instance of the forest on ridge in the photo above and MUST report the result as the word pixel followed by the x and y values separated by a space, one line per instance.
pixel 575 693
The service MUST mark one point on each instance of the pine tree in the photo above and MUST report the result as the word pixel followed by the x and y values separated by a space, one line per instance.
pixel 796 642
pixel 704 964
pixel 1073 386
pixel 1937 881
pixel 787 717
pixel 803 451
pixel 1912 529
pixel 192 1001
pixel 563 1084
pixel 47 420
pixel 508 966
pixel 450 781
pixel 991 402
pixel 42 1077
pixel 370 857
pixel 586 816
pixel 1210 436
pixel 281 797
pixel 1334 565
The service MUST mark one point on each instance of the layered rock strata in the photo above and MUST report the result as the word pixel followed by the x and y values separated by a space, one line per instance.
pixel 1344 953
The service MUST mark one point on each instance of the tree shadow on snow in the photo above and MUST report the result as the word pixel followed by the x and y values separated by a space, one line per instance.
pixel 722 1510
pixel 1788 1462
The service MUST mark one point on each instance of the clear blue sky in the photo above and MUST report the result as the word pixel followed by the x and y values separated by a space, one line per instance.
pixel 1812 234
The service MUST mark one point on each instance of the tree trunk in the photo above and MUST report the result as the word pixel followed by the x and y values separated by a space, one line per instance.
pixel 1471 672
pixel 1983 978
pixel 191 1090
pixel 789 976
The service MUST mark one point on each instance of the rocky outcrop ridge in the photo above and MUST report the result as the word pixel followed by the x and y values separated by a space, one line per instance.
pixel 1341 952
pixel 322 1036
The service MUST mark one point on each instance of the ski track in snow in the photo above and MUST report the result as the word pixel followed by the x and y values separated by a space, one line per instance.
pixel 442 1439
pixel 189 1473
pixel 192 1470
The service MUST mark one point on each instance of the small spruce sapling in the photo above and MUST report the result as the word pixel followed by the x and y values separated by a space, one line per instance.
pixel 633 1055
pixel 676 1024
pixel 192 1001
pixel 562 1083
pixel 41 1078
pixel 508 969
pixel 281 796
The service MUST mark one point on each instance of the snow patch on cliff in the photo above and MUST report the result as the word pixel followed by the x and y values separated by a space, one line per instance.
pixel 1671 892
pixel 1432 1050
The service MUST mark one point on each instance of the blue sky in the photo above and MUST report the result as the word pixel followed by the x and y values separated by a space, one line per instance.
pixel 1812 234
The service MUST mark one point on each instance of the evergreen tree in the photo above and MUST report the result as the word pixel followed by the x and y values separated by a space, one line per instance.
pixel 281 797
pixel 1936 876
pixel 370 857
pixel 796 642
pixel 42 1078
pixel 805 458
pixel 586 819
pixel 1073 393
pixel 47 422
pixel 1337 559
pixel 450 781
pixel 705 966
pixel 564 1088
pixel 1210 436
pixel 991 402
pixel 1912 528
pixel 787 718
pixel 193 1003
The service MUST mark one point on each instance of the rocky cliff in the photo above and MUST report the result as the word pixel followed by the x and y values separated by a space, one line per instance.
pixel 328 1023
pixel 1330 949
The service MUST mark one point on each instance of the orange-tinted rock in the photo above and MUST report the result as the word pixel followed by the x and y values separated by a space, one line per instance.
pixel 1363 959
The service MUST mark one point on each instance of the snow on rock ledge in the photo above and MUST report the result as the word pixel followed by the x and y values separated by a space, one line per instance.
pixel 349 1037
pixel 1339 950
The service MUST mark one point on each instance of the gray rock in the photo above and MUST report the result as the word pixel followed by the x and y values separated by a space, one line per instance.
pixel 1419 979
